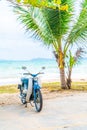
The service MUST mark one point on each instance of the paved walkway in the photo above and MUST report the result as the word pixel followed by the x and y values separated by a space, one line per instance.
pixel 61 113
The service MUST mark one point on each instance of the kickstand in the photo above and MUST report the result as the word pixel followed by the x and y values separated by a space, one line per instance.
pixel 31 104
pixel 26 105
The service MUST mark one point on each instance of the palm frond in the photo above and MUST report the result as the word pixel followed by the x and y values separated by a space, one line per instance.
pixel 44 23
pixel 79 30
pixel 78 55
pixel 73 59
pixel 59 20
pixel 35 21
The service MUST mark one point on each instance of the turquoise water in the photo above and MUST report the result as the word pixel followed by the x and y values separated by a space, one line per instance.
pixel 13 68
pixel 10 69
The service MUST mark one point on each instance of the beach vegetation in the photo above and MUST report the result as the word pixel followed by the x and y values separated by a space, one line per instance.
pixel 47 86
pixel 58 27
pixel 51 4
pixel 8 89
pixel 72 60
pixel 55 86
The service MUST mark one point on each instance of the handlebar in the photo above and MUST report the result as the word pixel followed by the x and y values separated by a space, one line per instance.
pixel 28 73
pixel 33 75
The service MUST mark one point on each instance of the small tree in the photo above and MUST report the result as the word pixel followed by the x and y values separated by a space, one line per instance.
pixel 72 61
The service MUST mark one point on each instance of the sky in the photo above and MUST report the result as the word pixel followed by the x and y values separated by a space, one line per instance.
pixel 15 44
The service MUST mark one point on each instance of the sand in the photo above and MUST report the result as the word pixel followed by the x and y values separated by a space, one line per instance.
pixel 66 111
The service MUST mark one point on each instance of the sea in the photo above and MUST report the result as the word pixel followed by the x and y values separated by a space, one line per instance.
pixel 11 70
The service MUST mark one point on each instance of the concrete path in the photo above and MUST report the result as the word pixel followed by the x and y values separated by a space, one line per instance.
pixel 61 113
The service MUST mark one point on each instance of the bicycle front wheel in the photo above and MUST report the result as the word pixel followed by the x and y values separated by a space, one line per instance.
pixel 38 101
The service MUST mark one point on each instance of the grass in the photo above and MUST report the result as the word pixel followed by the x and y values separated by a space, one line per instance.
pixel 8 89
pixel 51 87
pixel 55 86
pixel 79 86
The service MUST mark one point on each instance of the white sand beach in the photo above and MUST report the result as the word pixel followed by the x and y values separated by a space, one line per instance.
pixel 47 78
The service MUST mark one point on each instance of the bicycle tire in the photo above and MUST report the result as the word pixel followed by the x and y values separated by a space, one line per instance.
pixel 38 100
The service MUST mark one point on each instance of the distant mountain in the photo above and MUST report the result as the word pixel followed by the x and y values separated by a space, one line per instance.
pixel 34 59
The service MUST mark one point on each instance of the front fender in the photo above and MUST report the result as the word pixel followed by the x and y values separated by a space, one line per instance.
pixel 36 86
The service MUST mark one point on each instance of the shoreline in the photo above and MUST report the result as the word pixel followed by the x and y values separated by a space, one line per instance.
pixel 16 80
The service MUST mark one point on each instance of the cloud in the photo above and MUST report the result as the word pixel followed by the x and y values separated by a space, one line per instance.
pixel 14 44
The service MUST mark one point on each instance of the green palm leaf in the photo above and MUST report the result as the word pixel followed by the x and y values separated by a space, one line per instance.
pixel 78 33
pixel 34 20
pixel 46 24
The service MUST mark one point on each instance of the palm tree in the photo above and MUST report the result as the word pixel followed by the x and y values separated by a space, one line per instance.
pixel 56 28
pixel 72 61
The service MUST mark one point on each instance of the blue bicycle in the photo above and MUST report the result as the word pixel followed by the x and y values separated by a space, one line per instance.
pixel 30 90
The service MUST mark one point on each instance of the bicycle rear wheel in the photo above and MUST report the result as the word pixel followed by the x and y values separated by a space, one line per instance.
pixel 38 101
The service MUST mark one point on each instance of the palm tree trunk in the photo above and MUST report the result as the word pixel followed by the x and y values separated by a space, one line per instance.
pixel 69 78
pixel 59 55
pixel 61 65
pixel 62 78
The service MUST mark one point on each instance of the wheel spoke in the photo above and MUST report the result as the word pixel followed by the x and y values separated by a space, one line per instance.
pixel 38 101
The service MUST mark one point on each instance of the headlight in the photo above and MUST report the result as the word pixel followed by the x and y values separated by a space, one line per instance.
pixel 35 79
